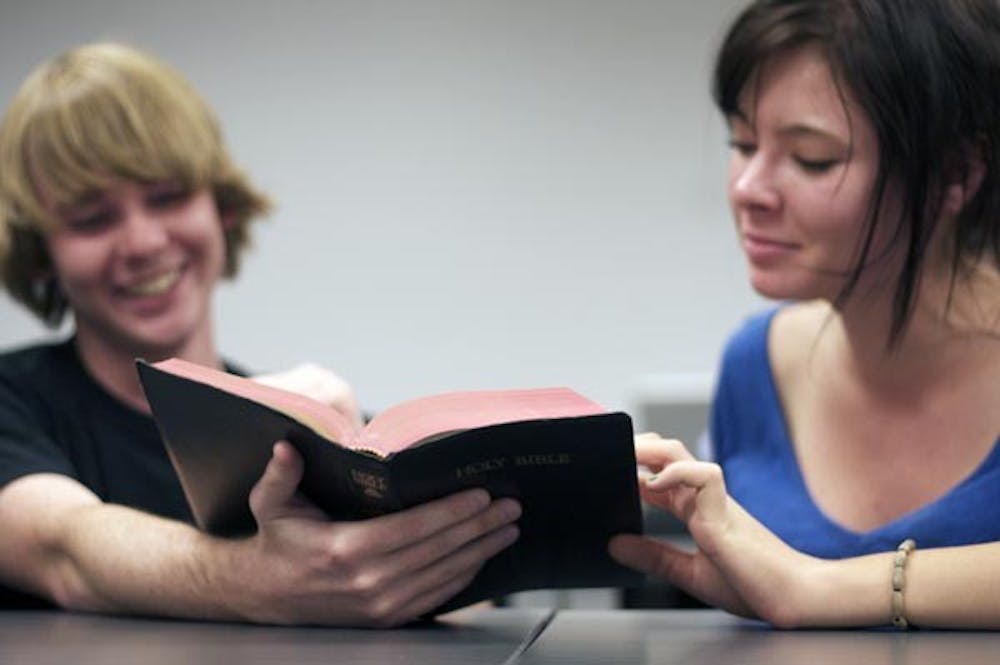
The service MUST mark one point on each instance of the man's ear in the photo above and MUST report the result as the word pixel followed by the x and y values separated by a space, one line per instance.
pixel 229 221
pixel 963 182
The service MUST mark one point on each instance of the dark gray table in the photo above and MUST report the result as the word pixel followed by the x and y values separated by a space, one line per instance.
pixel 706 637
pixel 462 638
pixel 498 637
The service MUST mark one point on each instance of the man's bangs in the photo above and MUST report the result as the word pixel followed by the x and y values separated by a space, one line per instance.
pixel 82 147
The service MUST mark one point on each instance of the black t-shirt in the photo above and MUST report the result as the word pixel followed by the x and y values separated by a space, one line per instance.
pixel 54 418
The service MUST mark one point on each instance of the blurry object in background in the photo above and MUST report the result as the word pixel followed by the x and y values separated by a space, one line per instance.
pixel 674 405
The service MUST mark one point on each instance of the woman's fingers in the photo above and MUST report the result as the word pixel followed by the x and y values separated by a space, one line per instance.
pixel 691 572
pixel 655 452
pixel 704 477
pixel 652 557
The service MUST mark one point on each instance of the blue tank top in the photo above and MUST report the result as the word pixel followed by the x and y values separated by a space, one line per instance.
pixel 752 444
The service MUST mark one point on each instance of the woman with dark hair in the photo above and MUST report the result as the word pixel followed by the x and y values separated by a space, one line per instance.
pixel 856 426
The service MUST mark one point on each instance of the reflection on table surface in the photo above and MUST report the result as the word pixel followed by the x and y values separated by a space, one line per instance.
pixel 500 636
pixel 696 637
pixel 473 636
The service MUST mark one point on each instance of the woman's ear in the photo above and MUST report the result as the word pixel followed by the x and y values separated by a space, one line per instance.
pixel 963 183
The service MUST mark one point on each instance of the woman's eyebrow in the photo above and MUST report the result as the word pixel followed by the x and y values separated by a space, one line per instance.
pixel 799 129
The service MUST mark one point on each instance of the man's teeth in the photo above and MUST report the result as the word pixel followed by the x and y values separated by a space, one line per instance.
pixel 156 285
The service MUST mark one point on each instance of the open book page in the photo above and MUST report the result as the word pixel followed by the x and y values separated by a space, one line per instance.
pixel 414 421
pixel 320 417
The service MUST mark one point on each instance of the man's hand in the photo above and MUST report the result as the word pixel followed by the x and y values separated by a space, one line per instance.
pixel 318 383
pixel 302 568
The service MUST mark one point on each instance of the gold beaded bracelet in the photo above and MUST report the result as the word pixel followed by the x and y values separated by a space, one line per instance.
pixel 899 582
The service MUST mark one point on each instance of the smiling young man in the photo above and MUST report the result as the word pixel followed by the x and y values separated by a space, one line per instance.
pixel 121 206
pixel 140 263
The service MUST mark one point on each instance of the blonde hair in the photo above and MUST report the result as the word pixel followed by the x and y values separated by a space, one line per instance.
pixel 98 113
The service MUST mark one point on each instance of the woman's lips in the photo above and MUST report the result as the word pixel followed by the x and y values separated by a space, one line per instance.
pixel 762 249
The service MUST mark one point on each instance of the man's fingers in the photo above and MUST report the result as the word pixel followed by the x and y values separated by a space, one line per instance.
pixel 277 486
pixel 398 530
pixel 433 599
pixel 468 543
pixel 431 586
pixel 501 513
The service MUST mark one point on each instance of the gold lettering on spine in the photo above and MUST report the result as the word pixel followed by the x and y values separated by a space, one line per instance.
pixel 372 484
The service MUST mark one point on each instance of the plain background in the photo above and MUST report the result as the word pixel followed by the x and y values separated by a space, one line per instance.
pixel 470 194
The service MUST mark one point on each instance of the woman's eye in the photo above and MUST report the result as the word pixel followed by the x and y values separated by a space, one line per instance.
pixel 745 148
pixel 816 166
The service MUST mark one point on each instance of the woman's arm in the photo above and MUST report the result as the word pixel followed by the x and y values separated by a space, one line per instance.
pixel 742 567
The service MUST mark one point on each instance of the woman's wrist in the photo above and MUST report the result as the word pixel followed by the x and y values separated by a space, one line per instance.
pixel 848 592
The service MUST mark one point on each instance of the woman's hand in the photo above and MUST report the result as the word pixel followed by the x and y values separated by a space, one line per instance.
pixel 739 565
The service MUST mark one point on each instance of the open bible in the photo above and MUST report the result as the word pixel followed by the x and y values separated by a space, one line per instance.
pixel 570 463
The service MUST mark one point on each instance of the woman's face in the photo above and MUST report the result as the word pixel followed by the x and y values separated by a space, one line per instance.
pixel 801 174
pixel 138 264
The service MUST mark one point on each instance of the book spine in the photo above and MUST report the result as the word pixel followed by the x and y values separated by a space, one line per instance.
pixel 347 484
pixel 372 486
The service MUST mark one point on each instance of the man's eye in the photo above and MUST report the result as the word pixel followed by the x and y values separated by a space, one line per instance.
pixel 90 223
pixel 167 196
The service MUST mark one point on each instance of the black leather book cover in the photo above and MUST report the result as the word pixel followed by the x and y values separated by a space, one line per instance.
pixel 575 478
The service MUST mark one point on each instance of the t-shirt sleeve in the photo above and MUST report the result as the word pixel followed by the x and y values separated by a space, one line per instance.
pixel 26 443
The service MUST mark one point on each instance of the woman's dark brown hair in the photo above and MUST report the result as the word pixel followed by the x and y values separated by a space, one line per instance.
pixel 927 75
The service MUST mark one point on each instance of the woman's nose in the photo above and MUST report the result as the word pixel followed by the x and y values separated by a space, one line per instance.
pixel 752 183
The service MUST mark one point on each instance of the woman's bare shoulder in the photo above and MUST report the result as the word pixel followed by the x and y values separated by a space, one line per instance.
pixel 794 333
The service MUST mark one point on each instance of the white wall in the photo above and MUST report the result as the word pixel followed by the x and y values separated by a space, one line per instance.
pixel 471 194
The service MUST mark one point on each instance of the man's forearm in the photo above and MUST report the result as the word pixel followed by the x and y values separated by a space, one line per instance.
pixel 116 559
